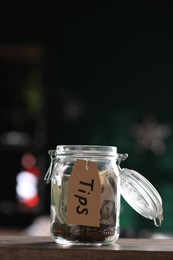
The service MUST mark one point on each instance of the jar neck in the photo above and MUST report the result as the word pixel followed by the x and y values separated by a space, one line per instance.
pixel 82 151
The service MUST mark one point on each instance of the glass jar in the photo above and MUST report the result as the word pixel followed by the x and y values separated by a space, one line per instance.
pixel 86 185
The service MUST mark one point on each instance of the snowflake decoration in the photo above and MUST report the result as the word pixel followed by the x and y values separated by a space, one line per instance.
pixel 150 135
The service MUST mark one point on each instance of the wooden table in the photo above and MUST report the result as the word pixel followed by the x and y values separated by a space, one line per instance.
pixel 27 247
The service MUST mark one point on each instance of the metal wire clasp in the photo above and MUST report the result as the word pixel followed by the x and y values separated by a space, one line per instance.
pixel 53 160
pixel 121 157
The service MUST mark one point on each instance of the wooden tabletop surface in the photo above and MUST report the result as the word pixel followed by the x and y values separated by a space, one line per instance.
pixel 31 247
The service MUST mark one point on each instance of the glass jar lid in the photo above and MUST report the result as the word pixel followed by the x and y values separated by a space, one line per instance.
pixel 141 195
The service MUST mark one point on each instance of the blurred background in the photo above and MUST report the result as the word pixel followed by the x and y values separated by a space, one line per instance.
pixel 84 73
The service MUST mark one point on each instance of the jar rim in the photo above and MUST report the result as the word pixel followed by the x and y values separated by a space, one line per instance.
pixel 87 150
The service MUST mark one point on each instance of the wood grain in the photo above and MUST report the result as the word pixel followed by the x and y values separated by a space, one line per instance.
pixel 25 247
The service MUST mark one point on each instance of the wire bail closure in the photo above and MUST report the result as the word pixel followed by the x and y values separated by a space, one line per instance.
pixel 121 157
pixel 49 173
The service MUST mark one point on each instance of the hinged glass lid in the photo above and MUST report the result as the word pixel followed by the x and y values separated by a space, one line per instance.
pixel 141 195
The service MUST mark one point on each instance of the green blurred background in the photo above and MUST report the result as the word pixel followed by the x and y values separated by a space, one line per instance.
pixel 87 73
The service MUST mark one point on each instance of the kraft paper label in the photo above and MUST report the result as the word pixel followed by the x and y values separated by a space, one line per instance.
pixel 83 197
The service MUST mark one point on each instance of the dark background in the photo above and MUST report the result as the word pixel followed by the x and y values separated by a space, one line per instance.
pixel 86 73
